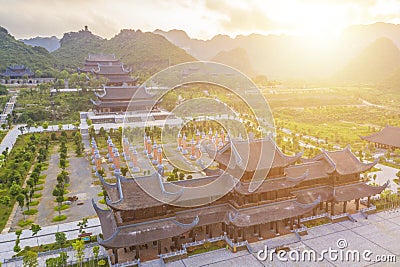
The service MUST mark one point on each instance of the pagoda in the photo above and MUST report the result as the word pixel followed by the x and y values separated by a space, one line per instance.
pixel 137 225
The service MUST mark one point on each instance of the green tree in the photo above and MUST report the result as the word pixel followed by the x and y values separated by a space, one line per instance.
pixel 61 239
pixel 29 124
pixel 35 228
pixel 45 125
pixel 15 189
pixel 58 192
pixel 79 247
pixel 30 259
pixel 82 225
pixel 124 171
pixel 17 248
pixel 25 192
pixel 21 201
pixel 95 251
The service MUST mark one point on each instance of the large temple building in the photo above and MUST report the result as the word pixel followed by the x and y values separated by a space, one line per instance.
pixel 118 93
pixel 109 67
pixel 387 138
pixel 117 99
pixel 290 189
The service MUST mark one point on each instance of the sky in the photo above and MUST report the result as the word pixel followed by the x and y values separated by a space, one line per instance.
pixel 201 19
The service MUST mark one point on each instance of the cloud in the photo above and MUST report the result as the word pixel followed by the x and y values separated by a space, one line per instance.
pixel 240 17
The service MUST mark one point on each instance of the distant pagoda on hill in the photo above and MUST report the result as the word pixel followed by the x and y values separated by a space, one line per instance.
pixel 109 67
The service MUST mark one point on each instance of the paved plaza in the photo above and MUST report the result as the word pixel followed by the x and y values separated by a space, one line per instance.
pixel 380 234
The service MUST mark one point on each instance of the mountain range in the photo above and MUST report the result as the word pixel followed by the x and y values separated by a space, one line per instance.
pixel 50 43
pixel 283 56
pixel 13 52
pixel 367 53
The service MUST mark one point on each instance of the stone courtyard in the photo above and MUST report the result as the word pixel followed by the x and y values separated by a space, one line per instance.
pixel 379 233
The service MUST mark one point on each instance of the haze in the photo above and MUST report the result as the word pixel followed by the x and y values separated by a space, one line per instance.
pixel 200 18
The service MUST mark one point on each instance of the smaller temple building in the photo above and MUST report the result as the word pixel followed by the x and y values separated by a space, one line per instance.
pixel 387 138
pixel 17 72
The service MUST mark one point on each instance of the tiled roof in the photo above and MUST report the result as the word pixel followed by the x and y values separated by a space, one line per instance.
pixel 101 57
pixel 388 136
pixel 259 154
pixel 17 71
pixel 342 161
pixel 357 191
pixel 110 69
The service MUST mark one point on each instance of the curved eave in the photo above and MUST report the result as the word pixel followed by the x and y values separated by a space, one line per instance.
pixel 361 168
pixel 367 191
pixel 109 187
pixel 141 233
pixel 282 210
pixel 107 220
pixel 96 103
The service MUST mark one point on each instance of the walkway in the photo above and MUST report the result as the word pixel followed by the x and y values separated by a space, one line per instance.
pixel 12 135
pixel 386 173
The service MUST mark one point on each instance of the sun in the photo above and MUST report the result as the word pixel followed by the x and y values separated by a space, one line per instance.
pixel 316 19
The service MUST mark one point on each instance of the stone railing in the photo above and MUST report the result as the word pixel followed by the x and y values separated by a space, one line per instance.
pixel 371 208
pixel 174 254
pixel 126 264
pixel 319 216
pixel 339 216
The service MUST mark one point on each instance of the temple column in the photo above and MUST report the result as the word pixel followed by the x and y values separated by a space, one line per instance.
pixel 235 235
pixel 159 246
pixel 357 204
pixel 277 227
pixel 298 221
pixel 321 205
pixel 314 211
pixel 137 248
pixel 291 223
pixel 115 252
pixel 369 201
pixel 326 206
pixel 231 232
pixel 344 206
pixel 333 208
